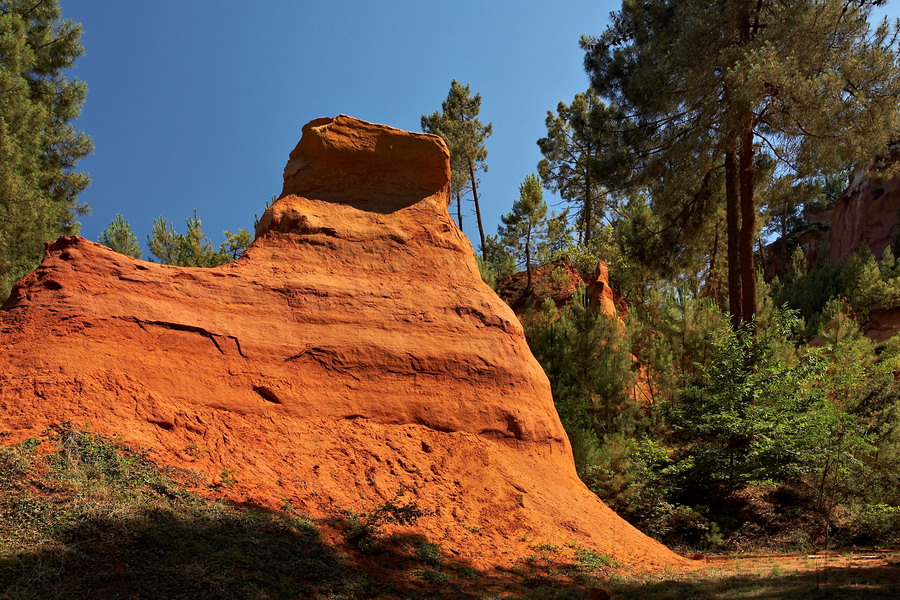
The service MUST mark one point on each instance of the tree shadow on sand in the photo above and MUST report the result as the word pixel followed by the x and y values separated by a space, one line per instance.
pixel 83 516
pixel 816 581
pixel 223 552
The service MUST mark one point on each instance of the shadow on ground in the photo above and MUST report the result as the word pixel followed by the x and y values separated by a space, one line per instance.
pixel 771 582
pixel 83 516
pixel 223 552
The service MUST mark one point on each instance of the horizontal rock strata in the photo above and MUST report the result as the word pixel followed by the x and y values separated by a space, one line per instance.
pixel 351 353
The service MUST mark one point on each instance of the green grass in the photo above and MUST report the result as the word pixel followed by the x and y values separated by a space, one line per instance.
pixel 429 553
pixel 94 519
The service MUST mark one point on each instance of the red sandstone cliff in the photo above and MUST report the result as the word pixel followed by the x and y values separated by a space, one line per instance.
pixel 558 280
pixel 352 351
pixel 866 212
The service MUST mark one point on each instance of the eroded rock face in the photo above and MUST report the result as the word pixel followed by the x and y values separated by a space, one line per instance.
pixel 883 325
pixel 559 280
pixel 866 212
pixel 351 352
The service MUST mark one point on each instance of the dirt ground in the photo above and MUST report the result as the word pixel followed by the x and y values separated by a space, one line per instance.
pixel 859 574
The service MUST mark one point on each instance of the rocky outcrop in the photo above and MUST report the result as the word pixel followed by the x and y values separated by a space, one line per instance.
pixel 352 352
pixel 813 241
pixel 865 213
pixel 883 325
pixel 559 280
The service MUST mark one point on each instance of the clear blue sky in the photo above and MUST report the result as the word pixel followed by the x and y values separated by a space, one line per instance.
pixel 195 104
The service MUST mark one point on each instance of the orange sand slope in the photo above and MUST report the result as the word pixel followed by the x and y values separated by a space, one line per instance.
pixel 351 352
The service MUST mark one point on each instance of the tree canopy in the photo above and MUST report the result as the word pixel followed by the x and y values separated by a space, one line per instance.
pixel 39 146
pixel 193 248
pixel 464 134
pixel 581 144
pixel 118 236
pixel 809 82
pixel 524 228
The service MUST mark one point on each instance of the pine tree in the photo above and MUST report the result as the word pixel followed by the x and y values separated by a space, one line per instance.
pixel 581 142
pixel 236 244
pixel 587 358
pixel 525 228
pixel 498 257
pixel 708 82
pixel 464 134
pixel 558 238
pixel 39 146
pixel 195 249
pixel 192 249
pixel 164 241
pixel 872 285
pixel 118 236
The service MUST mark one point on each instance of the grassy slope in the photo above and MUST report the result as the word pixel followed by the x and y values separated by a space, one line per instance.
pixel 82 516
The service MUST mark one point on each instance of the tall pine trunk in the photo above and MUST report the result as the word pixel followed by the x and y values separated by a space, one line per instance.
pixel 713 285
pixel 748 229
pixel 477 205
pixel 732 229
pixel 528 260
pixel 588 223
pixel 745 177
pixel 459 209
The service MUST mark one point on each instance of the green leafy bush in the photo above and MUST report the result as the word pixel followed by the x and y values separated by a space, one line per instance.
pixel 871 284
pixel 744 418
pixel 876 525
pixel 365 529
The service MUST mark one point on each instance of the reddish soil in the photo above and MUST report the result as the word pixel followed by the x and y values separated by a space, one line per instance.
pixel 352 352
pixel 807 561
pixel 827 570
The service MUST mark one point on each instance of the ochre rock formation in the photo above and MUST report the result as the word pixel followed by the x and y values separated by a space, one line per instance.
pixel 352 352
pixel 883 325
pixel 866 212
pixel 559 280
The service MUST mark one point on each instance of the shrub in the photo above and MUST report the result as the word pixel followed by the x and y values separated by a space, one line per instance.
pixel 687 527
pixel 13 465
pixel 366 528
pixel 591 561
pixel 876 525
pixel 429 552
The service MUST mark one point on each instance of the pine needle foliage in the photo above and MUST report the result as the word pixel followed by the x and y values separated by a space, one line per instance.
pixel 118 236
pixel 812 82
pixel 459 126
pixel 39 146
